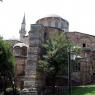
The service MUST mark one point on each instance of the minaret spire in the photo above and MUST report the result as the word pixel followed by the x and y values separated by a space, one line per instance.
pixel 23 29
pixel 23 25
pixel 24 22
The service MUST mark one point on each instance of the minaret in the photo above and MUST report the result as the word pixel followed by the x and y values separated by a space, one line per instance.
pixel 22 30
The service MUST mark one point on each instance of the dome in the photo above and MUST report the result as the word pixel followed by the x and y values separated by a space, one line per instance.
pixel 20 45
pixel 54 21
pixel 53 15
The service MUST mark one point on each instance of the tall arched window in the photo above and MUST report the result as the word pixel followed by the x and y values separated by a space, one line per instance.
pixel 49 23
pixel 56 24
pixel 17 51
pixel 62 25
pixel 24 51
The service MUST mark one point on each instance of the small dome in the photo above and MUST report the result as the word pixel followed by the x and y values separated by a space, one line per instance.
pixel 20 45
pixel 53 15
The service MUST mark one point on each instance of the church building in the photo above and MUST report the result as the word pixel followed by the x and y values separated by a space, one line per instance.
pixel 27 51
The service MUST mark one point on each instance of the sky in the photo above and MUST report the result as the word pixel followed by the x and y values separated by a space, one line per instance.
pixel 79 13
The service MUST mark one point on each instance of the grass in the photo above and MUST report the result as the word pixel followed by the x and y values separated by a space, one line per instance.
pixel 81 90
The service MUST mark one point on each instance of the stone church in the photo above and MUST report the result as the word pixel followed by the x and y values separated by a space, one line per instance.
pixel 27 51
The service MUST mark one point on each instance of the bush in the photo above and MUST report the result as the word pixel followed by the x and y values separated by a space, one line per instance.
pixel 9 91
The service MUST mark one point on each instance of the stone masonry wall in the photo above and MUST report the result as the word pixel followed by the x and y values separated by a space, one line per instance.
pixel 81 38
pixel 35 41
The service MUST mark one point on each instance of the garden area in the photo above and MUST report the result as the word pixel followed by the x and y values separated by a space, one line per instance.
pixel 84 90
pixel 80 90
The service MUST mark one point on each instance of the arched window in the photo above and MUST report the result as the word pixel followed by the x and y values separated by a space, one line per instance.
pixel 62 25
pixel 17 51
pixel 49 23
pixel 76 66
pixel 24 51
pixel 56 24
pixel 45 36
pixel 84 44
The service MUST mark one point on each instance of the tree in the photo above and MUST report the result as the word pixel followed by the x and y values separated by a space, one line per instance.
pixel 55 56
pixel 7 63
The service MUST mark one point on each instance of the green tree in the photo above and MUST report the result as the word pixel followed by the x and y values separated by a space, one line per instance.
pixel 7 64
pixel 55 57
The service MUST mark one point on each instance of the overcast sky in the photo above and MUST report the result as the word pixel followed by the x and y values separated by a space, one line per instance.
pixel 79 13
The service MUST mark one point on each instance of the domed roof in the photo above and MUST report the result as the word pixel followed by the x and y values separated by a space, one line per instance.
pixel 54 21
pixel 53 15
pixel 20 45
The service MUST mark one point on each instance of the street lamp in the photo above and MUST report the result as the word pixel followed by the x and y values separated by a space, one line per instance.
pixel 14 89
pixel 71 56
pixel 69 72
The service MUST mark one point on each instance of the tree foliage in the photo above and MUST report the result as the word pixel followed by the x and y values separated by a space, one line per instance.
pixel 7 62
pixel 56 53
pixel 55 58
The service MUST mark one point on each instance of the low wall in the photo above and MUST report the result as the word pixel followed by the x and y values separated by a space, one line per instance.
pixel 28 93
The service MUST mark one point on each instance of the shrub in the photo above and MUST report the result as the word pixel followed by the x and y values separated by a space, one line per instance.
pixel 9 91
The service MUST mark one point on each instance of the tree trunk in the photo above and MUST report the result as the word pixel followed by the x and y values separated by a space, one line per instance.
pixel 54 80
pixel 53 83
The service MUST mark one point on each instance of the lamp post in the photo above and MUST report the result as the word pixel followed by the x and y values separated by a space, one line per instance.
pixel 69 72
pixel 71 56
pixel 14 88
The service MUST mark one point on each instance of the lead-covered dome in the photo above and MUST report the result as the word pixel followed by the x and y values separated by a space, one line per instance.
pixel 54 21
pixel 20 49
pixel 20 45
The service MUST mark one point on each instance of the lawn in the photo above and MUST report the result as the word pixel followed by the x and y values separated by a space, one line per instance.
pixel 81 90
